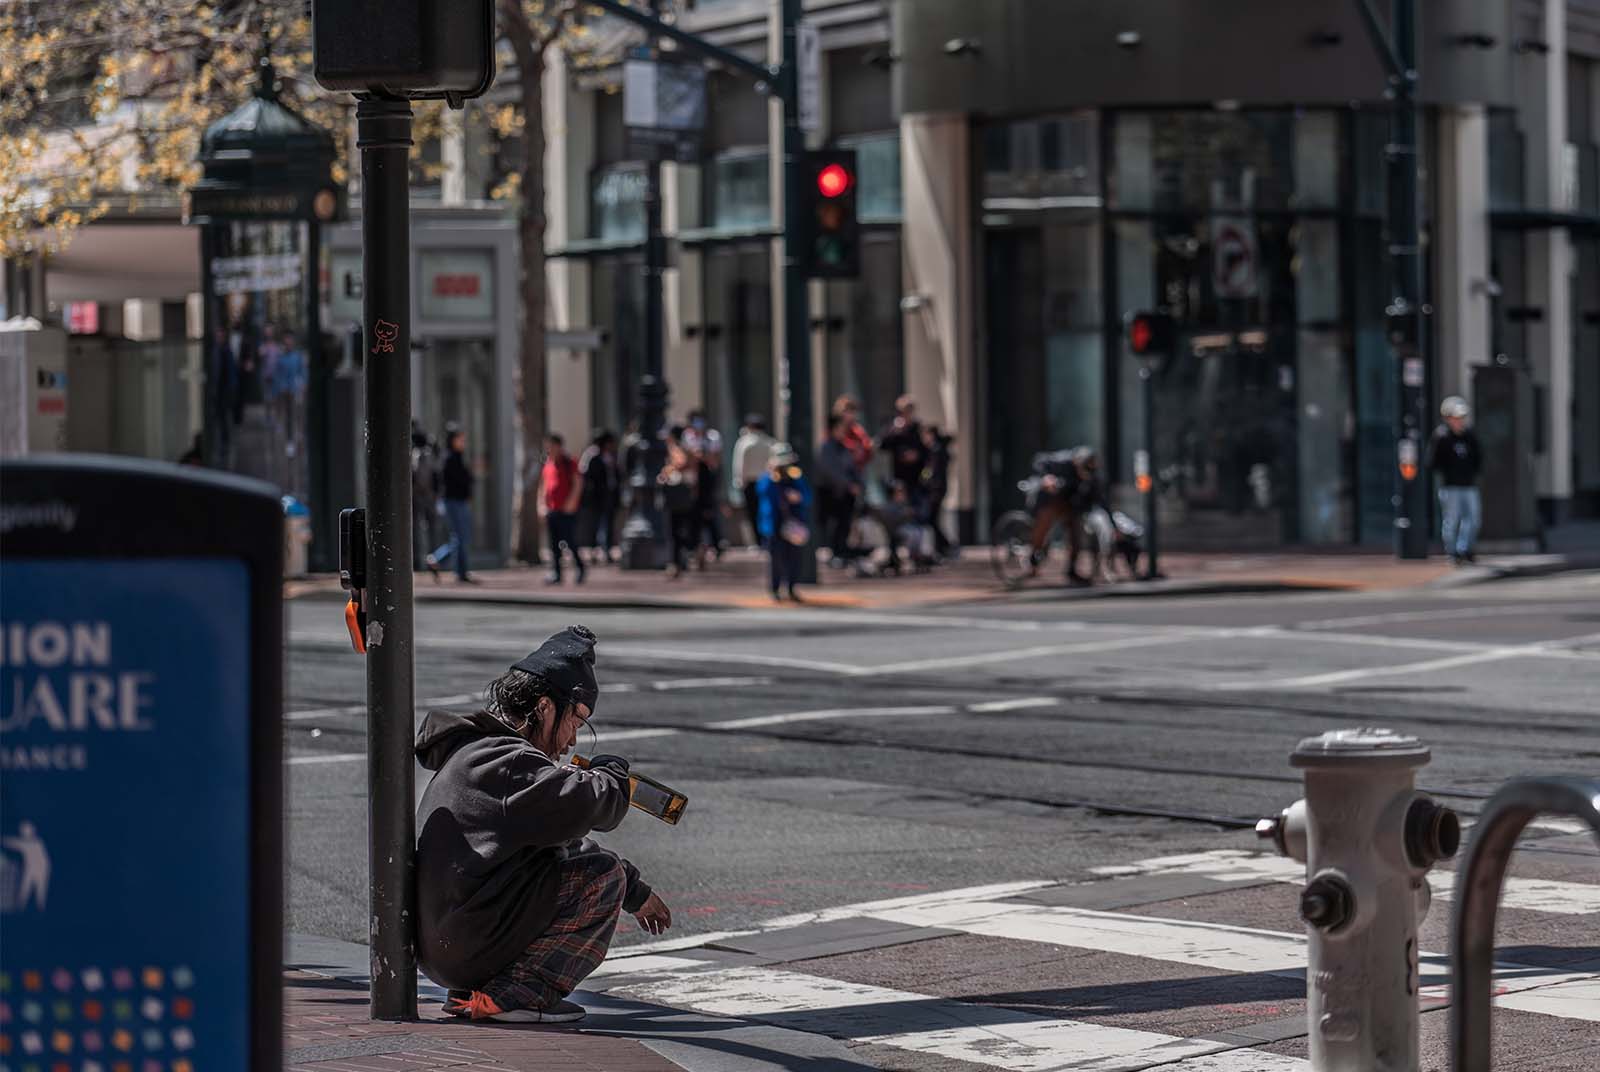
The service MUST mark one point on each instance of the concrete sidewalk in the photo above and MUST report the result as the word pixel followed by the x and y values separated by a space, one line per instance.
pixel 739 581
pixel 327 1029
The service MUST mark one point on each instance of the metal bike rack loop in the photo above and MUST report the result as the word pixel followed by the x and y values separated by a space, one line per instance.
pixel 1477 899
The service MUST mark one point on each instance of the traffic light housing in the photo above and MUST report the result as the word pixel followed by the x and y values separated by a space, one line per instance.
pixel 833 247
pixel 414 49
pixel 1151 334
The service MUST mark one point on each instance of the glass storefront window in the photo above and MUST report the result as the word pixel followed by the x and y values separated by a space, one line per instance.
pixel 1316 160
pixel 617 295
pixel 739 376
pixel 864 330
pixel 259 357
pixel 1506 190
pixel 1055 158
pixel 741 191
pixel 617 204
pixel 878 198
pixel 1203 161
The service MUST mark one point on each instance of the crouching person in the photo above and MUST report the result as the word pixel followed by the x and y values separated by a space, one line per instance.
pixel 515 903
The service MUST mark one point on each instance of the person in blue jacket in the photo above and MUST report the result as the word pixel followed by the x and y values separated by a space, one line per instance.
pixel 784 520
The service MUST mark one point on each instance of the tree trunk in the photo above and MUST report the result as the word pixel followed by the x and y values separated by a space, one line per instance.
pixel 530 383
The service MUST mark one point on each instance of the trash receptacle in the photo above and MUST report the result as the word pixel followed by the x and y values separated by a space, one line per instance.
pixel 296 537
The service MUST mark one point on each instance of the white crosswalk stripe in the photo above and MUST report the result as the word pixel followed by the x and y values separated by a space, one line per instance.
pixel 670 973
pixel 1228 865
pixel 980 1034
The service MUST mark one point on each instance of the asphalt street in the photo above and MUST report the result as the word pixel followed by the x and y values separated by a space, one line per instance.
pixel 837 757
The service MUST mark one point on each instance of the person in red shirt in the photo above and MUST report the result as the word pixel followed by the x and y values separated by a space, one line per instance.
pixel 561 488
pixel 856 438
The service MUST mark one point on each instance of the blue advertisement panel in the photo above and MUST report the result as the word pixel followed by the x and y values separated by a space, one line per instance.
pixel 125 825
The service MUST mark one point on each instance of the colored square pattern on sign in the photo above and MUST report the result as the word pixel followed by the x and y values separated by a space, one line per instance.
pixel 54 1022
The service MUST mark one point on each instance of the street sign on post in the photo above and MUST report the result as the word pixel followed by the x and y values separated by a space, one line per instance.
pixel 141 670
pixel 664 106
pixel 808 48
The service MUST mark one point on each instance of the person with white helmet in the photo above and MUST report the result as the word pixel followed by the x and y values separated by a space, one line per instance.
pixel 1457 458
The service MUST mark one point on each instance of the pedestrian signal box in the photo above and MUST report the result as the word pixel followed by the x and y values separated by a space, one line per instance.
pixel 834 248
pixel 1151 334
pixel 413 49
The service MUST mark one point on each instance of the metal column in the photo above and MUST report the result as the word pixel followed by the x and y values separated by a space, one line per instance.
pixel 383 135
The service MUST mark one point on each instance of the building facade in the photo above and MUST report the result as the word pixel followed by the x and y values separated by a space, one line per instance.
pixel 1029 179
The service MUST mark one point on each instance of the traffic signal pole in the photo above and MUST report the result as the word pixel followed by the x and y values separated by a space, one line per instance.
pixel 644 536
pixel 1404 316
pixel 785 81
pixel 383 136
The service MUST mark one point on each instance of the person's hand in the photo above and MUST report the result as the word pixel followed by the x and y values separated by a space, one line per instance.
pixel 615 764
pixel 654 915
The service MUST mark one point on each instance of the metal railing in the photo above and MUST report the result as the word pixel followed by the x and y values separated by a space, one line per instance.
pixel 1477 899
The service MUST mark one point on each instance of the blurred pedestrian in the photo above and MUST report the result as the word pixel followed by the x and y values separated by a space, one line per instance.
pixel 680 499
pixel 751 452
pixel 515 902
pixel 562 487
pixel 424 492
pixel 1456 456
pixel 902 442
pixel 705 443
pixel 856 438
pixel 936 485
pixel 785 519
pixel 838 490
pixel 602 494
pixel 455 485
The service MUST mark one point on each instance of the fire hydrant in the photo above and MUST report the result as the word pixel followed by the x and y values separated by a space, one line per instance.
pixel 1367 838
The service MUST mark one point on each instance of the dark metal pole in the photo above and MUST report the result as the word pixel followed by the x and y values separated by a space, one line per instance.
pixel 383 134
pixel 797 394
pixel 644 535
pixel 1405 314
pixel 1147 389
pixel 316 419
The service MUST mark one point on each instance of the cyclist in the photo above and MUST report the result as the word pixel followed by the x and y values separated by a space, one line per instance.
pixel 1069 491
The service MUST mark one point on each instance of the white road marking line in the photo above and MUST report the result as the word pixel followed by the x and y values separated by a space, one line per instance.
pixel 996 706
pixel 645 963
pixel 314 713
pixel 1428 666
pixel 839 712
pixel 707 683
pixel 986 1035
pixel 608 736
pixel 1398 617
pixel 669 945
pixel 987 658
pixel 1228 865
pixel 335 757
pixel 960 895
pixel 625 650
pixel 1578 999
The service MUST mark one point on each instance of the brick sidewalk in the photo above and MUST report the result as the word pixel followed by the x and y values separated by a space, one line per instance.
pixel 326 1029
pixel 740 581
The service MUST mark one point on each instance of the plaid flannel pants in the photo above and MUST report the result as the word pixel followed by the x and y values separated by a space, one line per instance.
pixel 589 902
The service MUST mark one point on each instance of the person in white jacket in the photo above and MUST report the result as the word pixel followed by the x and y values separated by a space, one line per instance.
pixel 751 452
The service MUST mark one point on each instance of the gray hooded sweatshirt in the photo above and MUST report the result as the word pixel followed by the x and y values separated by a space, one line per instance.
pixel 494 825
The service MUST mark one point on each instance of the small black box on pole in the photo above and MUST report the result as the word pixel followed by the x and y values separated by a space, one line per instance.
pixel 412 49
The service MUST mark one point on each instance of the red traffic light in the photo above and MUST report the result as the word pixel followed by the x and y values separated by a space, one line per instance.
pixel 1141 334
pixel 833 180
pixel 1150 333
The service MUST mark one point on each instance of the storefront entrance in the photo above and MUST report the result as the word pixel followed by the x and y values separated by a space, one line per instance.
pixel 456 380
pixel 1242 226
